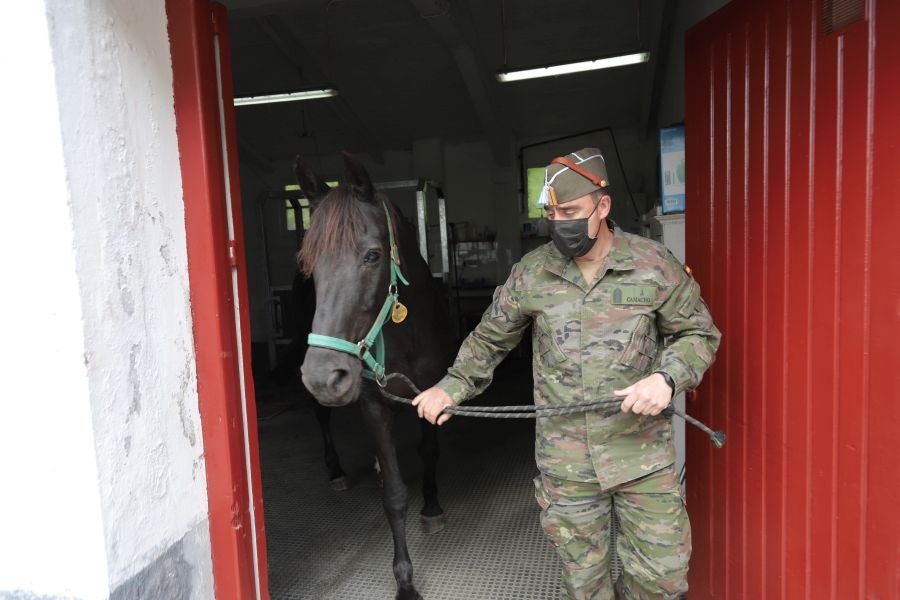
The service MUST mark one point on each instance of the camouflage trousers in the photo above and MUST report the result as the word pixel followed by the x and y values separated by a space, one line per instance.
pixel 654 536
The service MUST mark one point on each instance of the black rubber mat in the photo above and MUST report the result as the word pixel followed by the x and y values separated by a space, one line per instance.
pixel 324 544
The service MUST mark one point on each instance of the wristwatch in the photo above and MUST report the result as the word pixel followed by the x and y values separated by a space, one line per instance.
pixel 669 380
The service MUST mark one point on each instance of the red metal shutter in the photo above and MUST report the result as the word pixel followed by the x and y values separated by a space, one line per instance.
pixel 793 233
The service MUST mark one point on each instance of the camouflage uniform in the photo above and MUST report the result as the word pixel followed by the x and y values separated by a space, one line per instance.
pixel 642 313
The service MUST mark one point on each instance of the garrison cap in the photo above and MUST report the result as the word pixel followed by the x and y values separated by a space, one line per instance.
pixel 573 176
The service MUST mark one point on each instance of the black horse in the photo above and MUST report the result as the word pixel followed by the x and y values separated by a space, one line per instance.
pixel 302 309
pixel 348 253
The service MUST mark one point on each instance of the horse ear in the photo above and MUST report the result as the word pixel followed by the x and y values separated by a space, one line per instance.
pixel 358 178
pixel 312 185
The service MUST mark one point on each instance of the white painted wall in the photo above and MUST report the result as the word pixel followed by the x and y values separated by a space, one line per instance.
pixel 52 541
pixel 102 418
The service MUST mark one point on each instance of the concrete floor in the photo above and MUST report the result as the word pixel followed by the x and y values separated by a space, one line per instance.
pixel 324 544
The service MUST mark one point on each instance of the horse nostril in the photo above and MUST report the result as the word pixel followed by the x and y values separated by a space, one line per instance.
pixel 339 381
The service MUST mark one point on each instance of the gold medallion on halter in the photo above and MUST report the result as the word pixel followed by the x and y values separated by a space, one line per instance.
pixel 398 312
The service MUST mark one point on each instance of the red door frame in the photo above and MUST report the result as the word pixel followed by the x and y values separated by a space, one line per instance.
pixel 215 259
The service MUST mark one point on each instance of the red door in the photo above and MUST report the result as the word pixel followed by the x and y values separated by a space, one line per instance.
pixel 204 112
pixel 793 126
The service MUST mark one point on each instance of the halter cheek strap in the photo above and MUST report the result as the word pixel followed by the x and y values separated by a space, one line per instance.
pixel 374 365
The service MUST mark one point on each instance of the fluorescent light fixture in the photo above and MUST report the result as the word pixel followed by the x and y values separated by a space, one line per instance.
pixel 288 97
pixel 577 67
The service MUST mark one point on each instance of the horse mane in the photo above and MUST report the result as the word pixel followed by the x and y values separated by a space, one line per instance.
pixel 335 226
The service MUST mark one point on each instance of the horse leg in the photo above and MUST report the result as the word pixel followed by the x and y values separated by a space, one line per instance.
pixel 336 474
pixel 380 420
pixel 377 468
pixel 432 518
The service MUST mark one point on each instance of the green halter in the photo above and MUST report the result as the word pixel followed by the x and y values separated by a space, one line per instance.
pixel 374 365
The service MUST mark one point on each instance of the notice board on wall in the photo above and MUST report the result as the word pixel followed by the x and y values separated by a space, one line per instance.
pixel 671 168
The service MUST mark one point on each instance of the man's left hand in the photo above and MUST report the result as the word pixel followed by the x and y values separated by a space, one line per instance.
pixel 649 396
pixel 431 403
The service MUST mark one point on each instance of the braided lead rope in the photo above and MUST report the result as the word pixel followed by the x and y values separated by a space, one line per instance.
pixel 531 411
pixel 527 411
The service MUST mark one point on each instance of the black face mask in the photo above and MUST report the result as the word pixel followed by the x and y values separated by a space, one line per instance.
pixel 571 235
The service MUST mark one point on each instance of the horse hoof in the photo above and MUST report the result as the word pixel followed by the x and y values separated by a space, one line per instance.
pixel 432 525
pixel 340 484
pixel 409 594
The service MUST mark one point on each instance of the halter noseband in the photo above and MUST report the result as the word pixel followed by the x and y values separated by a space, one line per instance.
pixel 374 365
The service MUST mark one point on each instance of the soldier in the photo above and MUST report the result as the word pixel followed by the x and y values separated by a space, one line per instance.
pixel 615 316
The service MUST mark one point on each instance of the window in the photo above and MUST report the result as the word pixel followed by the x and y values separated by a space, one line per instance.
pixel 535 180
pixel 290 218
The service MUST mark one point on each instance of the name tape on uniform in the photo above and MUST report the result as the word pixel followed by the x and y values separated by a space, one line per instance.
pixel 634 294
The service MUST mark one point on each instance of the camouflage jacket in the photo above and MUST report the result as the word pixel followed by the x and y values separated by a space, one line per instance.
pixel 642 313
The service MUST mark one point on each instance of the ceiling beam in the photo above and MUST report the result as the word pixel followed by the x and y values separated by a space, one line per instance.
pixel 451 21
pixel 281 33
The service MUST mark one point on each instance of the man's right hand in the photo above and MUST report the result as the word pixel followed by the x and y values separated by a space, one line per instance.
pixel 431 404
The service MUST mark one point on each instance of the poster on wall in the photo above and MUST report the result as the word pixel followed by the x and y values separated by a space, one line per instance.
pixel 671 156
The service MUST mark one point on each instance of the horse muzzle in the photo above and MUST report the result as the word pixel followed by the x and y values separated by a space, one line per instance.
pixel 332 377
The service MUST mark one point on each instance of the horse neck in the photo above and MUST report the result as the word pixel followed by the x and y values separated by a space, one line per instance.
pixel 427 314
pixel 414 267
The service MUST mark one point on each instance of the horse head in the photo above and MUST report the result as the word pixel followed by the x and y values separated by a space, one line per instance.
pixel 347 252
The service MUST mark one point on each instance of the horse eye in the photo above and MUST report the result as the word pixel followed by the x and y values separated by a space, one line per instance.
pixel 372 256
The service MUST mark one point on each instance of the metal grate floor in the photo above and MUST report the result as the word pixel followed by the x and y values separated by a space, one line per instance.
pixel 332 545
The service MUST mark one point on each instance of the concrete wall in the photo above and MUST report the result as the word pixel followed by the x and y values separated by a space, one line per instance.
pixel 106 495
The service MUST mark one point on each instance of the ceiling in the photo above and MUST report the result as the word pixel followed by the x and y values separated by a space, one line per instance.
pixel 412 69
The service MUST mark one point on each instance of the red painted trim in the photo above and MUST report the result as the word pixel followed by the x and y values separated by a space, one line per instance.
pixel 220 24
pixel 212 301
